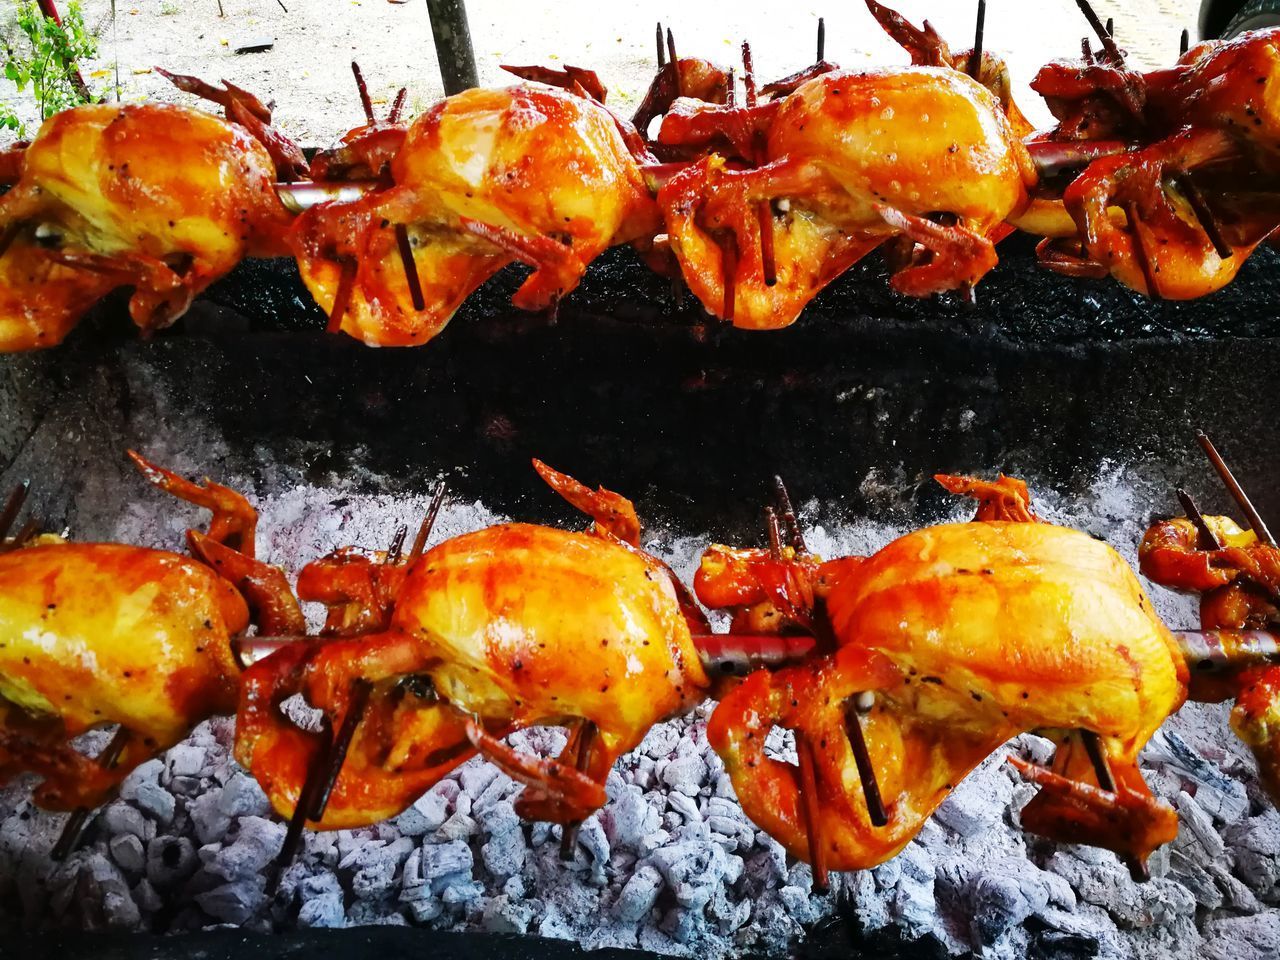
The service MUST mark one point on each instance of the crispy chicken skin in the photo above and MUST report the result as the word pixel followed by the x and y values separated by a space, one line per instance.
pixel 96 634
pixel 967 634
pixel 511 626
pixel 162 198
pixel 483 179
pixel 854 157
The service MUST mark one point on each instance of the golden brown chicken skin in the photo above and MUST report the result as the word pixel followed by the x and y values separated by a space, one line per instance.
pixel 162 198
pixel 483 179
pixel 493 631
pixel 953 639
pixel 851 159
pixel 99 634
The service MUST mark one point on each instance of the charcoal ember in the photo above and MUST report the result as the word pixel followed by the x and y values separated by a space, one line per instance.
pixel 1005 894
pixel 639 894
pixel 1225 798
pixel 686 774
pixel 186 760
pixel 1057 945
pixel 212 812
pixel 685 806
pixel 1256 843
pixel 101 896
pixel 462 893
pixel 801 907
pixel 374 865
pixel 257 844
pixel 1234 891
pixel 128 852
pixel 459 826
pixel 442 862
pixel 693 869
pixel 475 775
pixel 142 789
pixel 235 902
pixel 1255 937
pixel 1195 825
pixel 979 801
pixel 170 860
pixel 122 818
pixel 628 817
pixel 146 897
pixel 427 814
pixel 185 786
pixel 870 907
pixel 661 741
pixel 504 915
pixel 592 841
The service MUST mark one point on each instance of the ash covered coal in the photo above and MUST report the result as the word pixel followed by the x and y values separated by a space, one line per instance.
pixel 670 864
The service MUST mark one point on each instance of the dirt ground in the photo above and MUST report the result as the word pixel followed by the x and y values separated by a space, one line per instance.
pixel 307 71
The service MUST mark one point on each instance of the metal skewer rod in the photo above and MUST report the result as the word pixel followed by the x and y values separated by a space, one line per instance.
pixel 789 516
pixel 862 759
pixel 822 39
pixel 317 772
pixel 365 103
pixel 1184 42
pixel 1237 492
pixel 1097 751
pixel 662 53
pixel 397 545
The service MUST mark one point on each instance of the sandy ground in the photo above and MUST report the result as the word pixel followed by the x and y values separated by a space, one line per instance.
pixel 307 71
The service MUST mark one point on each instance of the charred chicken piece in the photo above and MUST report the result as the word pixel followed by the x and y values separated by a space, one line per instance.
pixel 1238 579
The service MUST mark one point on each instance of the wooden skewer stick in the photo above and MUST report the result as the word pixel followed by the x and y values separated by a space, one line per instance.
pixel 27 531
pixel 675 63
pixel 397 107
pixel 788 512
pixel 764 209
pixel 397 545
pixel 662 53
pixel 365 102
pixel 12 507
pixel 1097 751
pixel 975 56
pixel 1208 539
pixel 75 823
pixel 862 758
pixel 822 40
pixel 775 533
pixel 405 246
pixel 586 741
pixel 429 521
pixel 1184 43
pixel 1140 249
pixel 1208 222
pixel 342 296
pixel 812 813
pixel 337 754
pixel 1237 492
pixel 1108 42
pixel 315 782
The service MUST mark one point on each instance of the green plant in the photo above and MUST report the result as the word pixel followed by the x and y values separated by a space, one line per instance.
pixel 42 56
pixel 169 8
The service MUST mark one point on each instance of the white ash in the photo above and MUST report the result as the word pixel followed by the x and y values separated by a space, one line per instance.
pixel 671 864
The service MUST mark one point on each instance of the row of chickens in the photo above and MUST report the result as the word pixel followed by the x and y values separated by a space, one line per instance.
pixel 897 673
pixel 1160 179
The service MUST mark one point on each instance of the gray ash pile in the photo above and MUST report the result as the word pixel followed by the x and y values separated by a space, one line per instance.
pixel 671 864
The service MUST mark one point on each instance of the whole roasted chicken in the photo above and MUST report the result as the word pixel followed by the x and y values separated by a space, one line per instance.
pixel 483 179
pixel 95 634
pixel 947 642
pixel 846 161
pixel 487 633
pixel 163 199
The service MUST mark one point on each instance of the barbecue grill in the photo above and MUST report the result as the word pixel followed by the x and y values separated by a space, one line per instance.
pixel 1091 393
